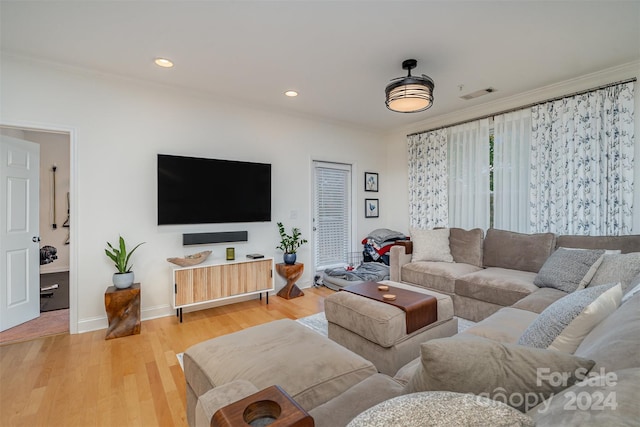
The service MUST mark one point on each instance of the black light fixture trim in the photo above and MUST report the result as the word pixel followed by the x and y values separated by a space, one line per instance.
pixel 410 94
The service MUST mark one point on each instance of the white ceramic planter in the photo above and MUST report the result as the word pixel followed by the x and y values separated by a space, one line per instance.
pixel 123 280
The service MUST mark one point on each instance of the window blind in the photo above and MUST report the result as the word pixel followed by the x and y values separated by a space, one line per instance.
pixel 332 214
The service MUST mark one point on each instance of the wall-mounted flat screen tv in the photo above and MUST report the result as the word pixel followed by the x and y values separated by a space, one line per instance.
pixel 193 190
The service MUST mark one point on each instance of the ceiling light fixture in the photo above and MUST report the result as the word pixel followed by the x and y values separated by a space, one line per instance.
pixel 409 94
pixel 163 62
pixel 291 93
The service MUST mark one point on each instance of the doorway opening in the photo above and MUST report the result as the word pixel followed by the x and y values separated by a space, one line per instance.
pixel 54 234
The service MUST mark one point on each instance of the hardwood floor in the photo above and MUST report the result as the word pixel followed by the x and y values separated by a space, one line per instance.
pixel 82 380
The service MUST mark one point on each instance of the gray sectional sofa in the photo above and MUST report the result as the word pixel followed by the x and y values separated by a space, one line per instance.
pixel 479 357
pixel 590 377
pixel 488 273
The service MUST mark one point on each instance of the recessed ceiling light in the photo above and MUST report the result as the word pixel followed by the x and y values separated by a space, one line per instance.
pixel 163 62
pixel 291 93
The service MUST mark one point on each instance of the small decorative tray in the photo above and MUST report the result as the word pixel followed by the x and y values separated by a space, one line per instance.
pixel 190 260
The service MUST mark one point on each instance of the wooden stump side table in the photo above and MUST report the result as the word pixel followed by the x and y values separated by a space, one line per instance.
pixel 271 406
pixel 290 272
pixel 123 311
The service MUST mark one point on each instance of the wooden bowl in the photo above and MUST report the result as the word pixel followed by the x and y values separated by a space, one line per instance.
pixel 383 288
pixel 190 260
pixel 389 297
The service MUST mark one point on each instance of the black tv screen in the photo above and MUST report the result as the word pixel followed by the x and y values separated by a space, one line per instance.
pixel 194 190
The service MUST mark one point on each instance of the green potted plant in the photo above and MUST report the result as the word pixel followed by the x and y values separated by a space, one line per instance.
pixel 123 278
pixel 289 243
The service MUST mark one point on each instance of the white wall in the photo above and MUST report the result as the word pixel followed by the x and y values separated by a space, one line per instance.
pixel 397 140
pixel 118 126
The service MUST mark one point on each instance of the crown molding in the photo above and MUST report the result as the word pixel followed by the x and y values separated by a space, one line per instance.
pixel 584 82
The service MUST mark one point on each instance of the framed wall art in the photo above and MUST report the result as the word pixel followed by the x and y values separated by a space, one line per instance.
pixel 371 181
pixel 371 208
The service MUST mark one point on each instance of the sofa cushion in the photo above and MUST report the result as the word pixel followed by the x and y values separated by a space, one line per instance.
pixel 540 299
pixel 624 243
pixel 496 285
pixel 343 408
pixel 466 364
pixel 610 399
pixel 565 269
pixel 440 276
pixel 505 325
pixel 466 245
pixel 617 268
pixel 441 409
pixel 615 343
pixel 431 245
pixel 564 324
pixel 323 369
pixel 517 251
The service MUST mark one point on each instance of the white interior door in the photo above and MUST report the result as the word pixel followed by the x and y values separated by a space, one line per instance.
pixel 19 232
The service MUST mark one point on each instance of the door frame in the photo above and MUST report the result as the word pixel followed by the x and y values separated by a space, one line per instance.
pixel 73 206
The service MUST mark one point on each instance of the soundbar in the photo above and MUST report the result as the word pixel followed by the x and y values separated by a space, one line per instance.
pixel 219 237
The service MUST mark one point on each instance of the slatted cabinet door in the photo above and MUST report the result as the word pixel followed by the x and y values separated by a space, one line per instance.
pixel 200 284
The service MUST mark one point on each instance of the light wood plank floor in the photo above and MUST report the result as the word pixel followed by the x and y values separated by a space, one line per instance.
pixel 83 380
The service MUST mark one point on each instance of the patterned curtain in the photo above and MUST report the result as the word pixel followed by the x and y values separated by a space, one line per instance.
pixel 469 193
pixel 427 153
pixel 582 152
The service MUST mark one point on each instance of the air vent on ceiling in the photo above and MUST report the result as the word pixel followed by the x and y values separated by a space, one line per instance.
pixel 478 93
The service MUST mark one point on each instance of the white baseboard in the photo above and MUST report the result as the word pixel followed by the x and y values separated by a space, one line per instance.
pixel 101 322
pixel 165 310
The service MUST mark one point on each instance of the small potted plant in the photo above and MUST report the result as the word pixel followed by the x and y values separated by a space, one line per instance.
pixel 123 278
pixel 289 244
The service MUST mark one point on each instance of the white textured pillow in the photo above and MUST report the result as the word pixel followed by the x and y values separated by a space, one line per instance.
pixel 564 324
pixel 431 245
pixel 571 337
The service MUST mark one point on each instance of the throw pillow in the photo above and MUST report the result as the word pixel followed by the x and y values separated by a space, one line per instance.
pixel 514 374
pixel 617 268
pixel 431 245
pixel 440 409
pixel 592 271
pixel 563 325
pixel 466 245
pixel 565 269
pixel 634 287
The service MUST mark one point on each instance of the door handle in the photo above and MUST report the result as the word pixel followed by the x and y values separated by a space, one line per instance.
pixel 35 239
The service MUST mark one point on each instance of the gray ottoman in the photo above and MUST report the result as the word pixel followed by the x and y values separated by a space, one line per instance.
pixel 311 368
pixel 377 331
